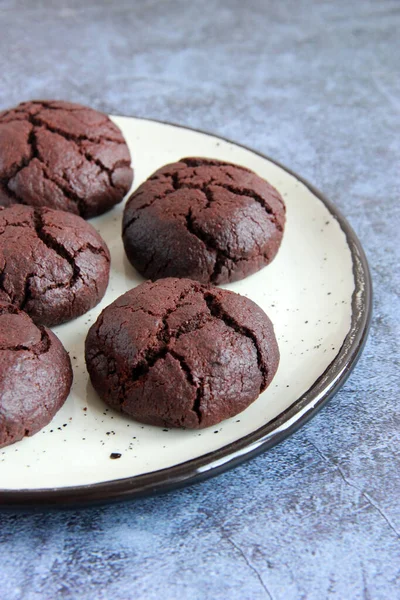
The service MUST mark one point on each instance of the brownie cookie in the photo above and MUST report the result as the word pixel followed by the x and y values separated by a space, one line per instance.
pixel 35 375
pixel 204 219
pixel 177 353
pixel 54 265
pixel 64 156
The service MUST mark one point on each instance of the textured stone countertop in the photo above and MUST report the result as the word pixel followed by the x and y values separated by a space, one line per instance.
pixel 316 85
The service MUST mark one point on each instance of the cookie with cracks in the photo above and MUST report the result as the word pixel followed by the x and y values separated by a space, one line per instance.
pixel 35 375
pixel 176 353
pixel 63 156
pixel 54 265
pixel 205 219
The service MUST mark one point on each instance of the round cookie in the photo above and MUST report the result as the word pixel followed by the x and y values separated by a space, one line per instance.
pixel 176 353
pixel 54 265
pixel 35 375
pixel 205 219
pixel 63 156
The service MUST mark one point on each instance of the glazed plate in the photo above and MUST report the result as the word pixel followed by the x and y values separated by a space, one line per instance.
pixel 317 292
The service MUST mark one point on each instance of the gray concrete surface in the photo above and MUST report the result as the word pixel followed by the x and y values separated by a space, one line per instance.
pixel 316 85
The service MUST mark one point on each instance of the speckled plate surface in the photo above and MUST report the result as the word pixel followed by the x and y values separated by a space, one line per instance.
pixel 317 293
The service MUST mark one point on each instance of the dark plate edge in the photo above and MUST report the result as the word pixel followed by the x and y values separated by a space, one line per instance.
pixel 265 437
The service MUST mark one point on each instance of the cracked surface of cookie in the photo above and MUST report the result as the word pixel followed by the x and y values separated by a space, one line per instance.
pixel 205 219
pixel 63 156
pixel 35 375
pixel 178 353
pixel 53 265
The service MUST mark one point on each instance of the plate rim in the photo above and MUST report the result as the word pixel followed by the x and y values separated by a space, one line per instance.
pixel 232 454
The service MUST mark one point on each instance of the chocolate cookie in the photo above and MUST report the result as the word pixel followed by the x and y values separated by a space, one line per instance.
pixel 204 219
pixel 64 156
pixel 35 375
pixel 177 353
pixel 53 265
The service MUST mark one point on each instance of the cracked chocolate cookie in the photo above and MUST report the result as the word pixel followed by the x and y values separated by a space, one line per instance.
pixel 177 353
pixel 35 375
pixel 54 265
pixel 200 218
pixel 63 156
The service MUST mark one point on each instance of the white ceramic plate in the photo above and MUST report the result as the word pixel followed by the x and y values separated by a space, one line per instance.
pixel 317 293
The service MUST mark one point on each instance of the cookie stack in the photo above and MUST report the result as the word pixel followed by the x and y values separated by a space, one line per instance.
pixel 176 351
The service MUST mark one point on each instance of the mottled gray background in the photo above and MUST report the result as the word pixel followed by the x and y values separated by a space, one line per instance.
pixel 316 85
